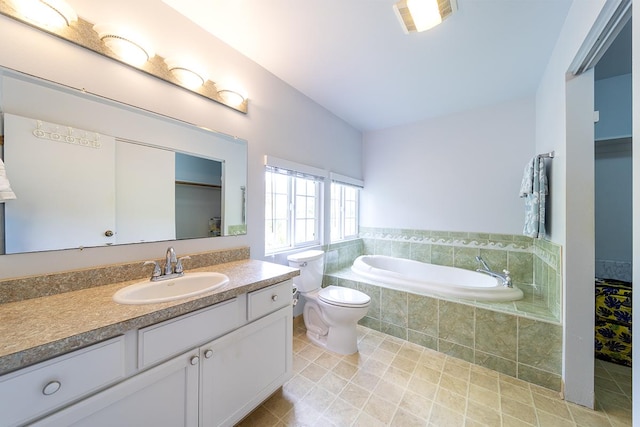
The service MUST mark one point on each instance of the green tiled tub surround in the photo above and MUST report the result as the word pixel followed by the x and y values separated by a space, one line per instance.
pixel 514 345
pixel 534 264
pixel 522 339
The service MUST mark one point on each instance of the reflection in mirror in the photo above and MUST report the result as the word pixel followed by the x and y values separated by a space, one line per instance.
pixel 88 171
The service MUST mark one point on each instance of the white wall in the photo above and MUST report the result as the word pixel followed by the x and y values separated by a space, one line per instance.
pixel 281 122
pixel 461 172
pixel 613 102
pixel 569 199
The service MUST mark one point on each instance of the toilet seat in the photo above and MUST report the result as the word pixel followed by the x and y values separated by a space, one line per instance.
pixel 343 297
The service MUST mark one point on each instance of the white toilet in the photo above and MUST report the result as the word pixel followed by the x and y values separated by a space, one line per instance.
pixel 330 314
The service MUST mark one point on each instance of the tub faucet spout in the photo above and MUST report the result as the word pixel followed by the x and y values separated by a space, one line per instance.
pixel 505 277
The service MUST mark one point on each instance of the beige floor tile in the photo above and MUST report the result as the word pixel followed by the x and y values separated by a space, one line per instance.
pixel 342 413
pixel 556 407
pixel 454 384
pixel 394 382
pixel 483 414
pixel 445 417
pixel 383 355
pixel 380 409
pixel 584 417
pixel 397 376
pixel 300 415
pixel 403 418
pixel 509 421
pixel 484 397
pixel 516 392
pixel 546 419
pixel 355 395
pixel 260 417
pixel 517 409
pixel 313 372
pixel 279 404
pixel 411 351
pixel 416 404
pixel 450 400
pixel 297 387
pixel 424 388
pixel 407 365
pixel 366 420
pixel 485 381
pixel 310 352
pixel 345 370
pixel 427 373
pixel 365 379
pixel 319 399
pixel 390 346
pixel 389 391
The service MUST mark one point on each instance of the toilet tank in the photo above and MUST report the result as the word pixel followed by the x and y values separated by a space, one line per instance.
pixel 311 265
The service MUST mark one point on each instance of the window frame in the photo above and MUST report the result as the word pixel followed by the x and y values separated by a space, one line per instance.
pixel 342 183
pixel 295 178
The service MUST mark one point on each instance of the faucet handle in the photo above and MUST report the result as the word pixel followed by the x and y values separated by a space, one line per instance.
pixel 179 268
pixel 156 268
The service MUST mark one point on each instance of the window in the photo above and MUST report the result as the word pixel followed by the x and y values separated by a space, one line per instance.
pixel 344 210
pixel 292 209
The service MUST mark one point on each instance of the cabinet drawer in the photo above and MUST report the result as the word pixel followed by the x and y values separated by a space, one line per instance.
pixel 267 300
pixel 163 340
pixel 33 391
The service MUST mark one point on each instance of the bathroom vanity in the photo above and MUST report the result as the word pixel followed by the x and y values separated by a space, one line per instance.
pixel 210 365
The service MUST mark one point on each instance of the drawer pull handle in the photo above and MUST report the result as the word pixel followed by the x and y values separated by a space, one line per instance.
pixel 208 353
pixel 274 298
pixel 51 388
pixel 194 360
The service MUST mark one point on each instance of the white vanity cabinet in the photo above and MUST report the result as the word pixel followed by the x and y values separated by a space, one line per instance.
pixel 183 380
pixel 164 396
pixel 243 368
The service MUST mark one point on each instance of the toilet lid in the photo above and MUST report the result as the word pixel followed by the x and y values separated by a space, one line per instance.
pixel 338 295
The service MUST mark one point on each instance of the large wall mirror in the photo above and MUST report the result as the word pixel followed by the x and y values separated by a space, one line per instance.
pixel 89 171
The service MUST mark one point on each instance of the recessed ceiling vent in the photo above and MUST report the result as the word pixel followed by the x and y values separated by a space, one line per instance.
pixel 421 15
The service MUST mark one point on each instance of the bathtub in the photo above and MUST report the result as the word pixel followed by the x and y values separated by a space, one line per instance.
pixel 430 279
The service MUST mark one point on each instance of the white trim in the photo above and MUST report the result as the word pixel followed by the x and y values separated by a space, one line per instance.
pixel 293 166
pixel 614 15
pixel 343 179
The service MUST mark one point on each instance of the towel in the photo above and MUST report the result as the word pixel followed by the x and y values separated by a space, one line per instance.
pixel 5 187
pixel 534 190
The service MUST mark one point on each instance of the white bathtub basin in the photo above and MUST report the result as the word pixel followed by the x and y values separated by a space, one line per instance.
pixel 189 285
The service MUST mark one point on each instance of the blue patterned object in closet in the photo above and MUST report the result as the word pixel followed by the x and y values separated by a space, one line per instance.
pixel 613 321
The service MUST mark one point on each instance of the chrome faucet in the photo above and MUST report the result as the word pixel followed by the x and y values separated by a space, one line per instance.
pixel 170 259
pixel 172 266
pixel 505 278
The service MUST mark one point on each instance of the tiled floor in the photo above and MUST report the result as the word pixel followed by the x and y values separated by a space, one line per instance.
pixel 397 383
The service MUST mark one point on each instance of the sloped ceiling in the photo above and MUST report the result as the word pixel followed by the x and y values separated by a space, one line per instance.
pixel 353 58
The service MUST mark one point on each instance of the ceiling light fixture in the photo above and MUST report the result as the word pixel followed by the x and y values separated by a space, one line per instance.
pixel 125 45
pixel 231 97
pixel 421 15
pixel 49 14
pixel 187 75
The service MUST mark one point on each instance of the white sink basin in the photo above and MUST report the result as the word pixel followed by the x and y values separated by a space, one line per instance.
pixel 191 284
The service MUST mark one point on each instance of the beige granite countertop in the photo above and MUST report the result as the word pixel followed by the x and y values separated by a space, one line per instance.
pixel 37 329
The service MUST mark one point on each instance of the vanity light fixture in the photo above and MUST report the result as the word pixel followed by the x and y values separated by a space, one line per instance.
pixel 125 45
pixel 231 97
pixel 186 74
pixel 48 14
pixel 421 15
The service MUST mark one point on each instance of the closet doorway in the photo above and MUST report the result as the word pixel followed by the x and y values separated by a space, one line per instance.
pixel 613 218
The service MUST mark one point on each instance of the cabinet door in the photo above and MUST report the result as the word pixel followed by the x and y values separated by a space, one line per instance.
pixel 166 395
pixel 243 368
